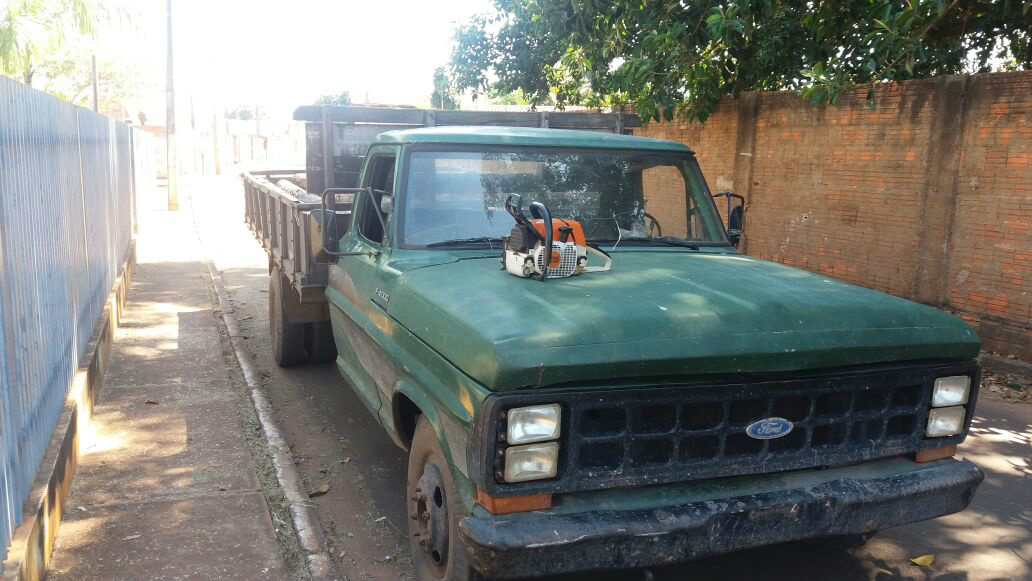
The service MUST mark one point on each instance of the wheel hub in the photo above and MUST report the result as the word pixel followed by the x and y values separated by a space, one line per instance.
pixel 431 515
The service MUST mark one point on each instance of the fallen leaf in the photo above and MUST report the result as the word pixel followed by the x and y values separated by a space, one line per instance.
pixel 381 519
pixel 323 489
pixel 82 508
pixel 923 560
pixel 131 537
pixel 151 402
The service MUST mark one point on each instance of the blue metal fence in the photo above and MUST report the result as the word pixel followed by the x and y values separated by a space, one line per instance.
pixel 66 191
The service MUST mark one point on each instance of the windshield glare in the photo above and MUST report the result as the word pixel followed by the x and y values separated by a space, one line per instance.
pixel 616 196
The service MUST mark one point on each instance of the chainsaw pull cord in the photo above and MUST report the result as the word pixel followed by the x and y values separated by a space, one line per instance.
pixel 539 211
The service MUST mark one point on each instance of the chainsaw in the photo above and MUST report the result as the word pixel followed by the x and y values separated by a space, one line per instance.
pixel 525 253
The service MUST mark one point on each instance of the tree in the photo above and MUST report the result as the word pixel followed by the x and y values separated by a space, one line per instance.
pixel 68 75
pixel 444 95
pixel 517 97
pixel 342 98
pixel 32 30
pixel 664 56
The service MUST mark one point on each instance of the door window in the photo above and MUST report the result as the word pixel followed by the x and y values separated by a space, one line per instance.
pixel 381 180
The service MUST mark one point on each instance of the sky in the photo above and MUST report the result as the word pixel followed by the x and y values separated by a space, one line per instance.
pixel 286 53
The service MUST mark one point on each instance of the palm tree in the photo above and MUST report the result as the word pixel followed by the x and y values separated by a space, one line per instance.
pixel 32 29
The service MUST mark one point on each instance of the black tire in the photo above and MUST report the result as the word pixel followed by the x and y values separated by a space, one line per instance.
pixel 288 339
pixel 320 345
pixel 428 466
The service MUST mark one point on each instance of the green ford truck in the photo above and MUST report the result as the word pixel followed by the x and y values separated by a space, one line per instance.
pixel 586 372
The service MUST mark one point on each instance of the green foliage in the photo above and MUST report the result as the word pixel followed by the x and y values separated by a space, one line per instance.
pixel 33 30
pixel 663 56
pixel 121 80
pixel 444 96
pixel 342 98
pixel 517 97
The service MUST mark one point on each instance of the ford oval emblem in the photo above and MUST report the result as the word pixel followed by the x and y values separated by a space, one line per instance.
pixel 769 428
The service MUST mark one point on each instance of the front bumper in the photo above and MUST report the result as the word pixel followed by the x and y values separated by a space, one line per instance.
pixel 532 544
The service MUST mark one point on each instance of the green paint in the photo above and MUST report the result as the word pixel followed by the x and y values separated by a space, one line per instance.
pixel 444 328
pixel 488 135
pixel 663 313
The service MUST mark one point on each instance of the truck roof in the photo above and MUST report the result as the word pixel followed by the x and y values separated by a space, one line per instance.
pixel 496 135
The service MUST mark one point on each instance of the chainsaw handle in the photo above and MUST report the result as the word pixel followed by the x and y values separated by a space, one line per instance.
pixel 539 211
pixel 513 205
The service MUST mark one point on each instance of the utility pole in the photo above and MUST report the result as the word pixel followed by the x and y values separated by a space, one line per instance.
pixel 215 140
pixel 96 101
pixel 170 128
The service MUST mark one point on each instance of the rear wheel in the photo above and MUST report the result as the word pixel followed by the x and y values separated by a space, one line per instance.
pixel 288 339
pixel 320 345
pixel 434 509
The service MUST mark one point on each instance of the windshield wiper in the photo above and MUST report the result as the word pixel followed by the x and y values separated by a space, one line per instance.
pixel 668 240
pixel 466 241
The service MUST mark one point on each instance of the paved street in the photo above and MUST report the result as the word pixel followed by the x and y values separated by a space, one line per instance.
pixel 167 486
pixel 335 439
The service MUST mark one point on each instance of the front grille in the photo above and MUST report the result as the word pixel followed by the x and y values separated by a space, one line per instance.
pixel 699 432
pixel 623 437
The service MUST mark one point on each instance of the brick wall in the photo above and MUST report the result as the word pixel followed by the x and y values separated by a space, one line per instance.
pixel 928 196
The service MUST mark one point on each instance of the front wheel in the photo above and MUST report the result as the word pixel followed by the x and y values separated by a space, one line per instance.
pixel 434 509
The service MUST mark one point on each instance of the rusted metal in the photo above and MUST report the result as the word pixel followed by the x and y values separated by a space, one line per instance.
pixel 854 502
pixel 280 220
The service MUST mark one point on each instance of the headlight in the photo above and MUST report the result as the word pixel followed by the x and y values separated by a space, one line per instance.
pixel 945 421
pixel 533 424
pixel 533 462
pixel 952 390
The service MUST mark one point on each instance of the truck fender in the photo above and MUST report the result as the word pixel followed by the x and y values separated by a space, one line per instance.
pixel 406 394
pixel 399 420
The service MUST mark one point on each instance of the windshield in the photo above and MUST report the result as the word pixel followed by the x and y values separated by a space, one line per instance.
pixel 619 197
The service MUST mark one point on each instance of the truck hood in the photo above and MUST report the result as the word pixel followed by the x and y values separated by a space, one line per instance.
pixel 662 313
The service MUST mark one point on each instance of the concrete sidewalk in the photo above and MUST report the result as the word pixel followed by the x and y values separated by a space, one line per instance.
pixel 168 486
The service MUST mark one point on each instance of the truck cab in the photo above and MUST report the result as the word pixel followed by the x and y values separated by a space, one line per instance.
pixel 684 400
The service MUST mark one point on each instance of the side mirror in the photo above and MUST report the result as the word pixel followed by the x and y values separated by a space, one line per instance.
pixel 330 222
pixel 735 216
pixel 735 224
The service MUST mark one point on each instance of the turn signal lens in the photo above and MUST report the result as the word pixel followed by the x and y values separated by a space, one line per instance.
pixel 533 462
pixel 945 422
pixel 952 390
pixel 534 424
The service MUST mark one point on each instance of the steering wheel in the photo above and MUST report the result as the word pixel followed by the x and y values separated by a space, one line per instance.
pixel 654 226
pixel 597 223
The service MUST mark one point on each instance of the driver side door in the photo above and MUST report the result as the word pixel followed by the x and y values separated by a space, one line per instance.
pixel 358 289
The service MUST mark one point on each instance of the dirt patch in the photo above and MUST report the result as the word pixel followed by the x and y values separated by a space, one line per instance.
pixel 279 507
pixel 341 451
pixel 1011 387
